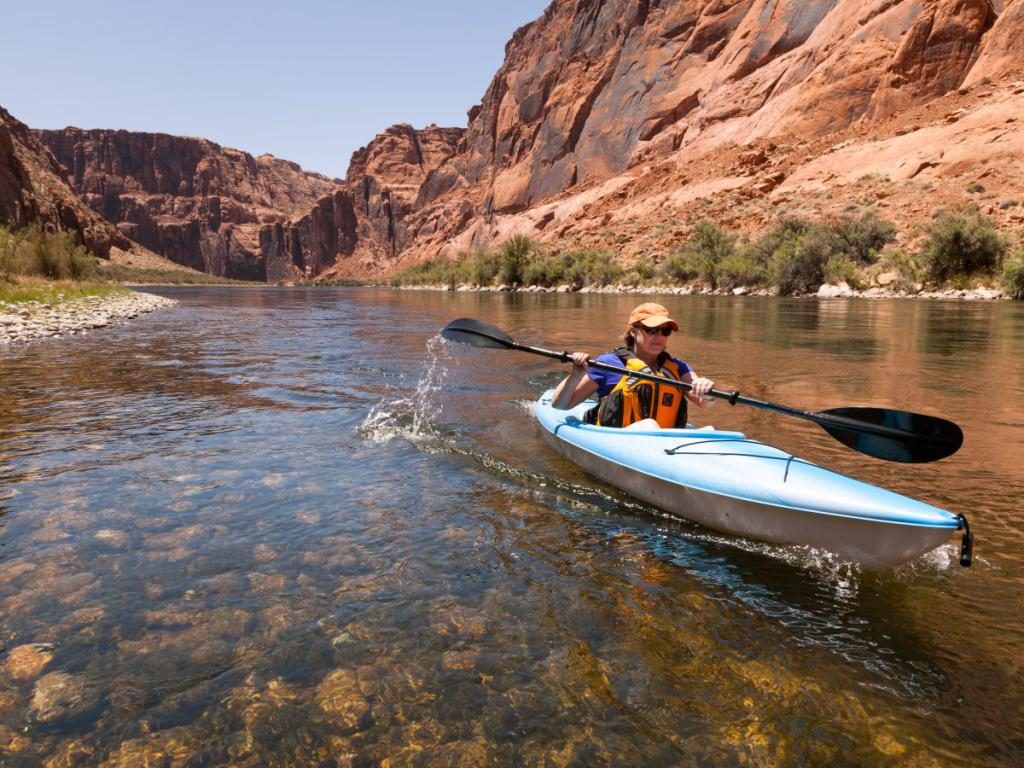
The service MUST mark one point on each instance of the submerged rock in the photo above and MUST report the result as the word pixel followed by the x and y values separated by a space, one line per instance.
pixel 340 699
pixel 25 662
pixel 59 696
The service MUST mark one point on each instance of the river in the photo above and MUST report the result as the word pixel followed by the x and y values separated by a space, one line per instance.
pixel 295 527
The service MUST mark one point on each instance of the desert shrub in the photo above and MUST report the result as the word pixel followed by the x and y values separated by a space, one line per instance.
pixel 961 244
pixel 798 264
pixel 543 270
pixel 904 264
pixel 744 266
pixel 862 238
pixel 840 268
pixel 438 271
pixel 10 260
pixel 700 256
pixel 1013 276
pixel 34 251
pixel 643 271
pixel 591 267
pixel 682 267
pixel 513 256
pixel 484 267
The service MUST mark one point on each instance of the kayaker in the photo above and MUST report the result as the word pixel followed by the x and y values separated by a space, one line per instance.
pixel 622 401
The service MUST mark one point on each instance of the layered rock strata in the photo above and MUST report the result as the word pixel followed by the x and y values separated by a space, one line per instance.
pixel 611 123
pixel 600 90
pixel 33 190
pixel 199 204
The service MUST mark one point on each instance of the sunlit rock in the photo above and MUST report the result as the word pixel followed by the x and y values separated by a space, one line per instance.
pixel 59 696
pixel 166 748
pixel 340 699
pixel 263 554
pixel 117 539
pixel 457 754
pixel 25 662
pixel 12 742
pixel 71 753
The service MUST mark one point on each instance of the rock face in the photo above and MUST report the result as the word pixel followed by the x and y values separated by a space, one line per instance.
pixel 32 189
pixel 609 122
pixel 598 88
pixel 362 226
pixel 190 200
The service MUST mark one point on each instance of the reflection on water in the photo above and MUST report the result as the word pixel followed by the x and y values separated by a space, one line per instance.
pixel 294 527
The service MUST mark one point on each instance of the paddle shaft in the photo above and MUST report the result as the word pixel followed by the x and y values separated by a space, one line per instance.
pixel 734 397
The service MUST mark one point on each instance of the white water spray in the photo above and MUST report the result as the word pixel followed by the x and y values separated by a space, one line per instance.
pixel 412 415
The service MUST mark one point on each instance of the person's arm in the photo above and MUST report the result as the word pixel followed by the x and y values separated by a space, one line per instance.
pixel 701 387
pixel 577 386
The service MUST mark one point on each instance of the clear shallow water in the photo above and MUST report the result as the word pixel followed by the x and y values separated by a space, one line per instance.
pixel 292 527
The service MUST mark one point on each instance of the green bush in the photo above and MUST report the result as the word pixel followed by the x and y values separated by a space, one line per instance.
pixel 590 267
pixel 798 264
pixel 700 256
pixel 1013 276
pixel 840 268
pixel 961 245
pixel 862 239
pixel 518 261
pixel 34 251
pixel 644 271
pixel 512 259
pixel 743 267
pixel 682 267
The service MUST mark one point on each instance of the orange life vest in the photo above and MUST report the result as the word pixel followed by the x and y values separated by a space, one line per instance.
pixel 634 399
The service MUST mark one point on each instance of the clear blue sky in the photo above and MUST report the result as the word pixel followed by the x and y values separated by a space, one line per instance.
pixel 309 81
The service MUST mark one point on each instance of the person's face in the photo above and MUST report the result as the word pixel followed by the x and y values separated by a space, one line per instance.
pixel 651 341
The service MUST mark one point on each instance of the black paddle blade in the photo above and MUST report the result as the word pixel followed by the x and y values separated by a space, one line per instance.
pixel 914 437
pixel 466 330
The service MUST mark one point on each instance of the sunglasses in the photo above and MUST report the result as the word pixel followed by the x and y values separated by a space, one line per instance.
pixel 664 330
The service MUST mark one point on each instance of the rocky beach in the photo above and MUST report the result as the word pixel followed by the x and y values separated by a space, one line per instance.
pixel 30 321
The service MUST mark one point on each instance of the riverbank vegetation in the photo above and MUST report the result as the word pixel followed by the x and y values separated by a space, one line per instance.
pixel 45 267
pixel 49 267
pixel 958 249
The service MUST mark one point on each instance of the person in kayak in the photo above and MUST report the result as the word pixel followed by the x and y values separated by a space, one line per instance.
pixel 622 400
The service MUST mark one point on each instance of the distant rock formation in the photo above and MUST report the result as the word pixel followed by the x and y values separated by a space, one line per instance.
pixel 33 190
pixel 190 200
pixel 394 175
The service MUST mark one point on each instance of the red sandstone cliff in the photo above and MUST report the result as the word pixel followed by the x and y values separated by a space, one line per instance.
pixel 190 200
pixel 32 189
pixel 616 123
pixel 598 94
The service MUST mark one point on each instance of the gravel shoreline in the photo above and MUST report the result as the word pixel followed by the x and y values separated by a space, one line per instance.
pixel 31 320
pixel 825 292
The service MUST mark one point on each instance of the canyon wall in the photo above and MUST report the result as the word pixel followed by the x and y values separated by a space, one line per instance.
pixel 33 190
pixel 609 120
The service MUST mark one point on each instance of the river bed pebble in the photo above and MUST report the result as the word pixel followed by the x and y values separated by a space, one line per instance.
pixel 31 320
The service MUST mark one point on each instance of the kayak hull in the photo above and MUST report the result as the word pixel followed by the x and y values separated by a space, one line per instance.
pixel 731 484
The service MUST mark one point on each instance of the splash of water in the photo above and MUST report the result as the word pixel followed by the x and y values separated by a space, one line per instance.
pixel 412 415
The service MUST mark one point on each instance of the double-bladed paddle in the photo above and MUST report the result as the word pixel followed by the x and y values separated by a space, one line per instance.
pixel 879 432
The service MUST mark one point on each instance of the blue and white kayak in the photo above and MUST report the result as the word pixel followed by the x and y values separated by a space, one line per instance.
pixel 727 482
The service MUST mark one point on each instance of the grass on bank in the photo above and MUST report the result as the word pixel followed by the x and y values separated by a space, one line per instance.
pixel 47 292
pixel 795 257
pixel 48 267
pixel 124 273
